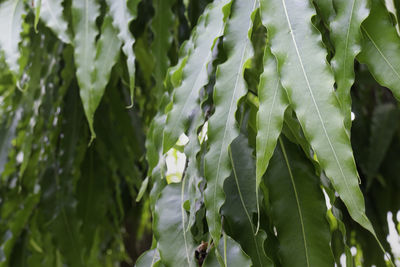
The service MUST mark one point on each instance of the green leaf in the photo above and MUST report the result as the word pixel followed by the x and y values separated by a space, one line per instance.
pixel 7 133
pixel 51 12
pixel 193 176
pixel 303 231
pixel 222 127
pixel 273 103
pixel 384 118
pixel 186 96
pixel 11 18
pixel 143 188
pixel 241 203
pixel 121 20
pixel 346 37
pixel 381 48
pixel 231 252
pixel 37 5
pixel 343 236
pixel 161 25
pixel 308 81
pixel 292 130
pixel 326 8
pixel 93 63
pixel 84 14
pixel 16 225
pixel 175 242
pixel 107 52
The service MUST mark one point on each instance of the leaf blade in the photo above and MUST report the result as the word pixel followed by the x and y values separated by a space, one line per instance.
pixel 121 20
pixel 273 103
pixel 175 242
pixel 51 13
pixel 294 187
pixel 84 14
pixel 11 12
pixel 347 43
pixel 222 128
pixel 241 203
pixel 309 85
pixel 381 48
pixel 186 96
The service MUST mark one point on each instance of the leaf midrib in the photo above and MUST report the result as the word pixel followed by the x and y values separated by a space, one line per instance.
pixel 226 124
pixel 380 52
pixel 244 207
pixel 270 118
pixel 297 199
pixel 347 38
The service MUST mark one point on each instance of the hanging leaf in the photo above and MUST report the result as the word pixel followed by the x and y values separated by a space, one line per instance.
pixel 186 96
pixel 382 132
pixel 11 18
pixel 273 102
pixel 294 187
pixel 192 175
pixel 121 20
pixel 107 52
pixel 347 43
pixel 161 25
pixel 309 84
pixel 16 226
pixel 51 12
pixel 241 203
pixel 150 258
pixel 84 14
pixel 232 253
pixel 381 48
pixel 175 241
pixel 222 128
pixel 93 63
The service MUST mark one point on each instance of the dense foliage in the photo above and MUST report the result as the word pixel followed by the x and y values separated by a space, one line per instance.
pixel 199 132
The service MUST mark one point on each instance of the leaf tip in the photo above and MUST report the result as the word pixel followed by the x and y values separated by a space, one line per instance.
pixel 92 137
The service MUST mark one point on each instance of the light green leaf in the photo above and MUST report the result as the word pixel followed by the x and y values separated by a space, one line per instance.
pixel 84 14
pixel 38 5
pixel 51 12
pixel 302 229
pixel 241 203
pixel 381 48
pixel 222 127
pixel 175 242
pixel 346 37
pixel 186 96
pixel 273 103
pixel 93 62
pixel 309 84
pixel 143 188
pixel 11 12
pixel 121 20
pixel 107 51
